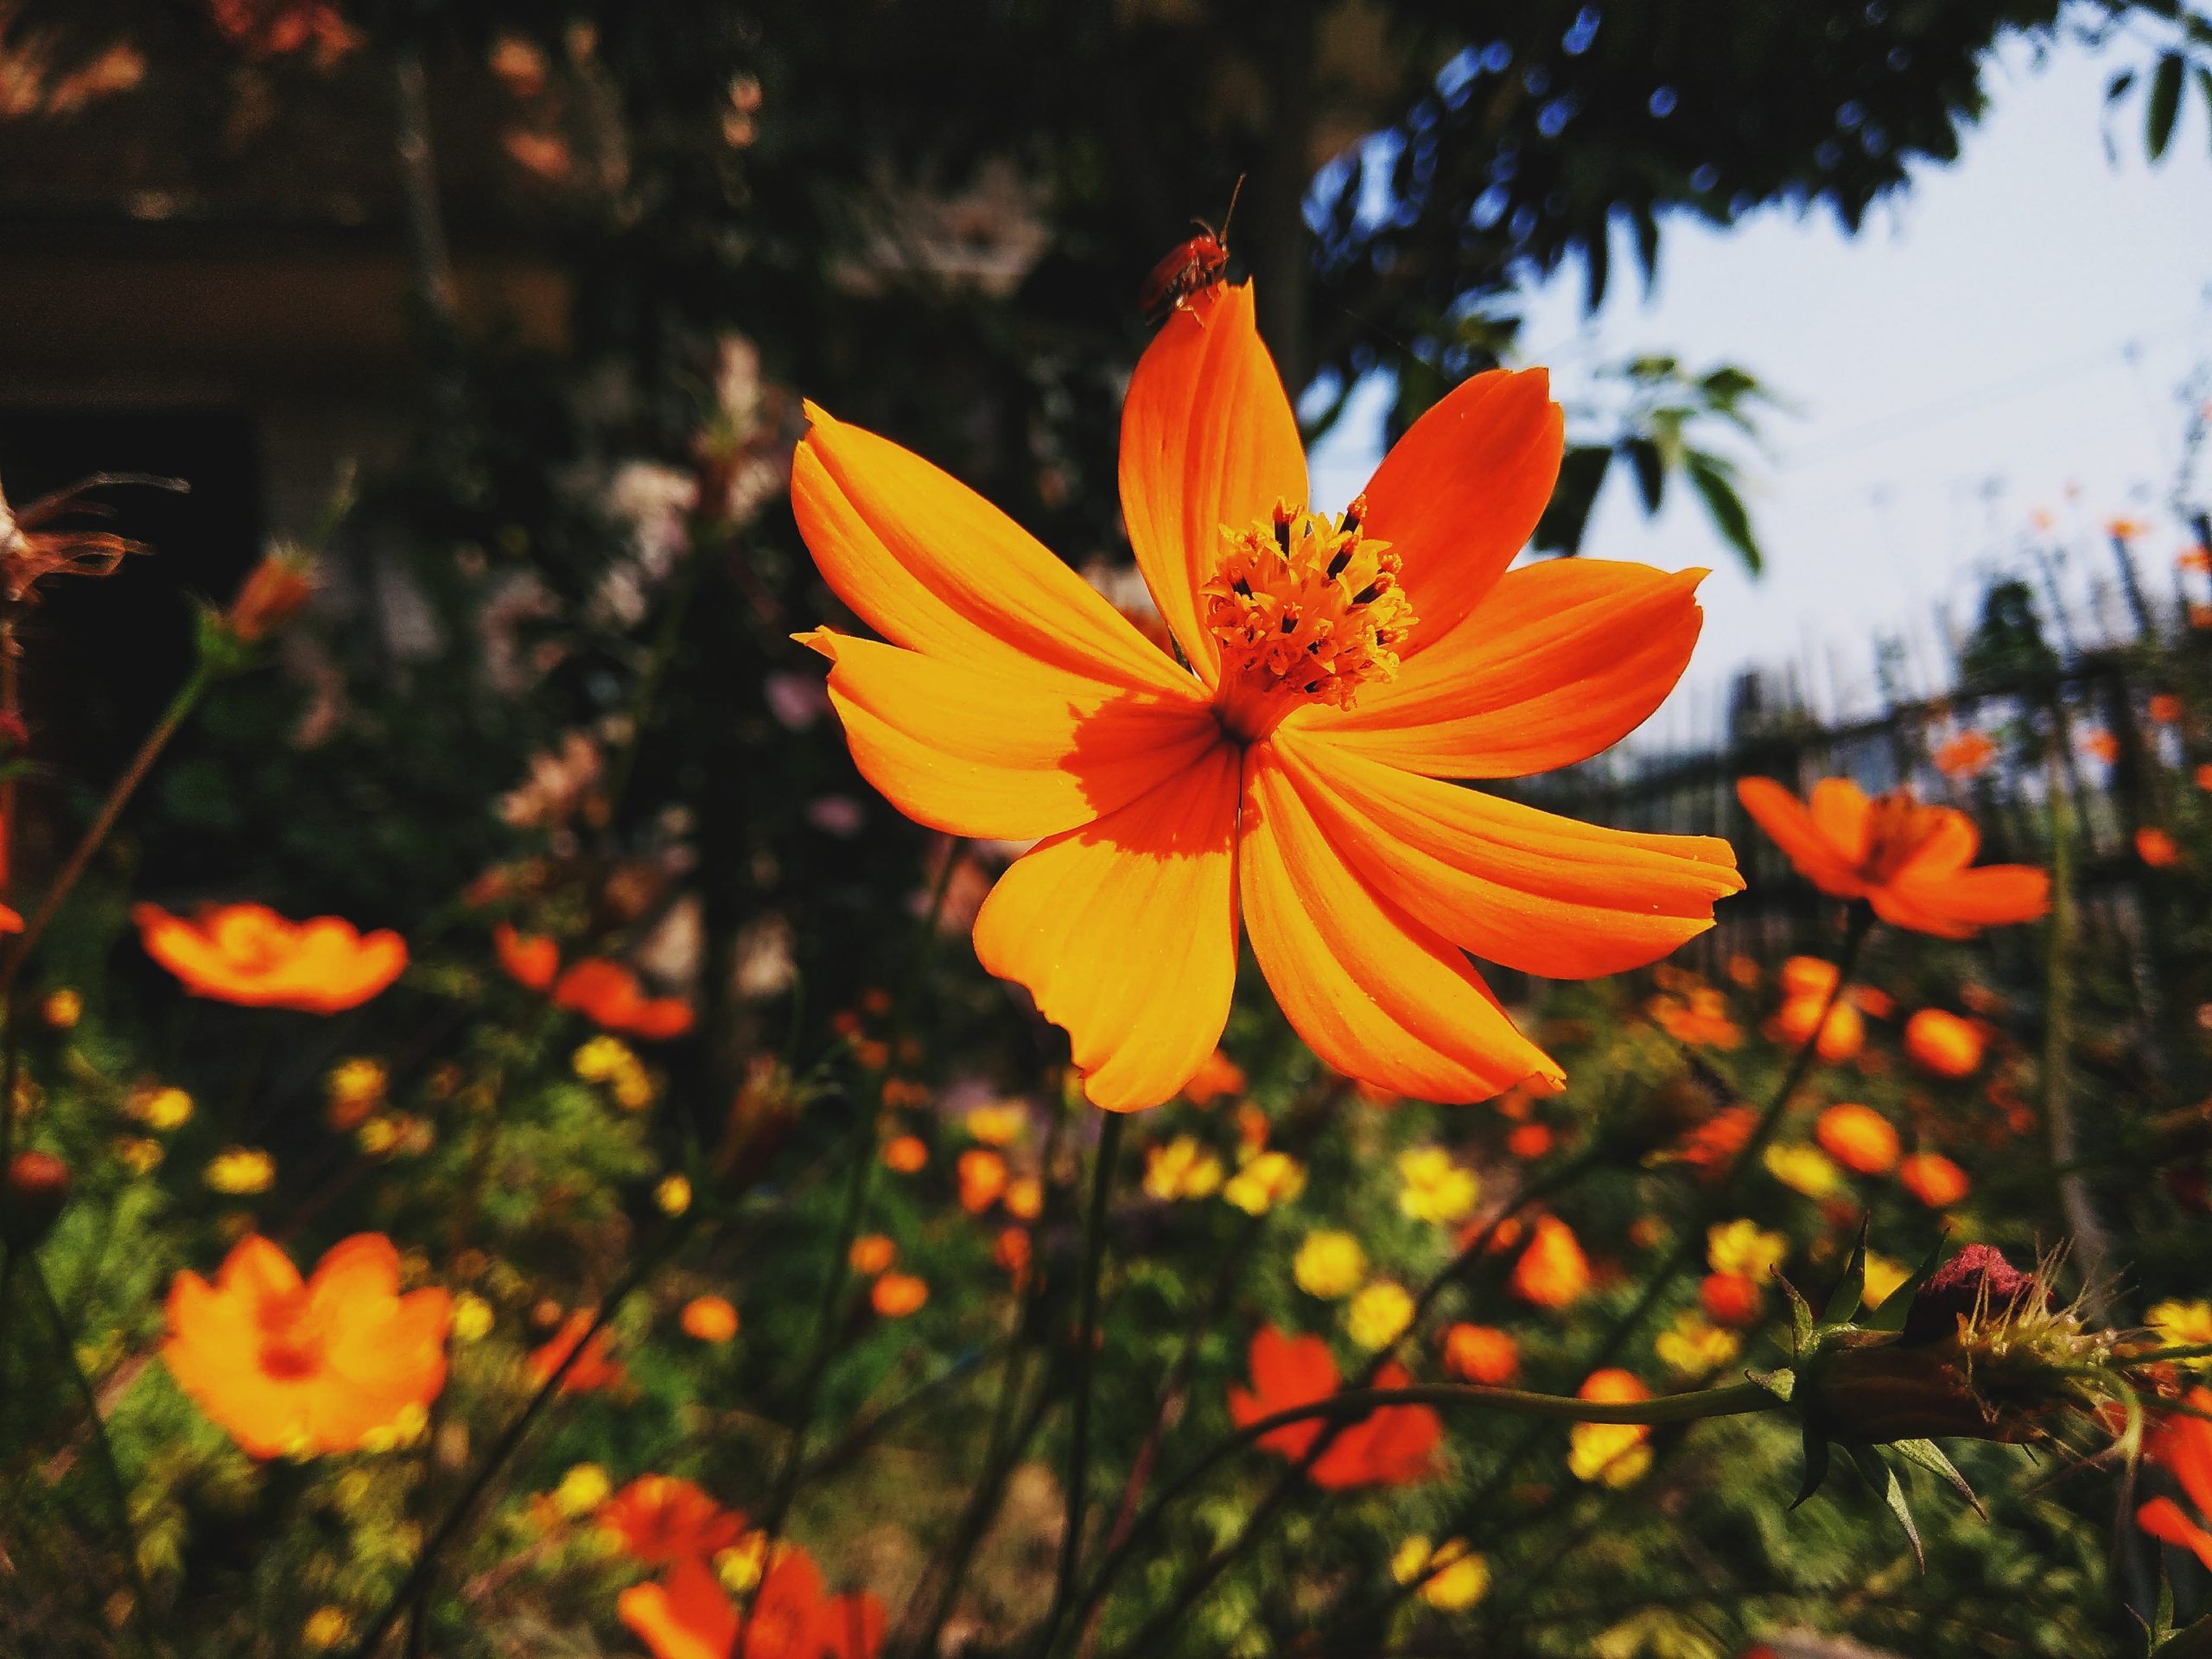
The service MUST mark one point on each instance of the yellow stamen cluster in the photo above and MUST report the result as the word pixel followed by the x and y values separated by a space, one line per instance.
pixel 1307 610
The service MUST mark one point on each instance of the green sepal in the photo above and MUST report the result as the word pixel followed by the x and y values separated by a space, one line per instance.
pixel 1816 1465
pixel 1850 1290
pixel 1800 1320
pixel 1890 1315
pixel 1884 1480
pixel 1781 1383
pixel 1928 1455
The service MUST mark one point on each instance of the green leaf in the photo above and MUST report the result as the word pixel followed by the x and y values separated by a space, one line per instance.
pixel 1580 473
pixel 1890 1315
pixel 2164 105
pixel 1850 1290
pixel 1727 382
pixel 1650 470
pixel 1884 1480
pixel 1724 506
pixel 1816 1465
pixel 1926 1454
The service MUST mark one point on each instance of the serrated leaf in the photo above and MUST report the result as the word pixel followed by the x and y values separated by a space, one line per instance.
pixel 1781 1383
pixel 1926 1454
pixel 1816 1466
pixel 1850 1290
pixel 1884 1480
pixel 2164 105
pixel 1724 507
pixel 1890 1315
pixel 1651 471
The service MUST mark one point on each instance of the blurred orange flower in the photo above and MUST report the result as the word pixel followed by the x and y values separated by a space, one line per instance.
pixel 2100 745
pixel 1011 1251
pixel 530 960
pixel 249 954
pixel 1842 1036
pixel 1940 1042
pixel 1701 1020
pixel 2157 849
pixel 324 1365
pixel 1218 1074
pixel 1394 1445
pixel 983 1178
pixel 1482 1353
pixel 871 1254
pixel 897 1295
pixel 690 1616
pixel 1858 1137
pixel 1909 861
pixel 2165 708
pixel 1934 1179
pixel 662 1518
pixel 272 591
pixel 1730 1297
pixel 1553 1271
pixel 905 1153
pixel 2182 1446
pixel 607 993
pixel 1530 1142
pixel 710 1318
pixel 1339 668
pixel 593 1370
pixel 1966 755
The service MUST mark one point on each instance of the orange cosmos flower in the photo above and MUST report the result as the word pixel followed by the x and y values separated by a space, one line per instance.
pixel 1908 861
pixel 1842 1035
pixel 690 1616
pixel 2157 849
pixel 1858 1137
pixel 1218 1074
pixel 2100 745
pixel 983 1178
pixel 593 1370
pixel 710 1318
pixel 530 959
pixel 1482 1353
pixel 661 1518
pixel 1553 1271
pixel 871 1254
pixel 607 993
pixel 1530 1142
pixel 1968 755
pixel 897 1295
pixel 324 1365
pixel 905 1153
pixel 2183 1447
pixel 1934 1179
pixel 1943 1043
pixel 2165 708
pixel 249 954
pixel 1391 1446
pixel 1730 1297
pixel 1339 668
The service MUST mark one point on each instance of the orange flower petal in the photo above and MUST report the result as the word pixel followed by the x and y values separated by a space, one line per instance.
pixel 1561 660
pixel 2163 1520
pixel 1378 995
pixel 929 563
pixel 688 1617
pixel 1794 829
pixel 1125 932
pixel 1005 752
pixel 1845 815
pixel 1208 439
pixel 1460 494
pixel 1533 891
pixel 1958 905
pixel 1950 847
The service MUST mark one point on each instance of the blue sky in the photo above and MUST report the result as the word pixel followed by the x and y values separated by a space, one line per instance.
pixel 2007 336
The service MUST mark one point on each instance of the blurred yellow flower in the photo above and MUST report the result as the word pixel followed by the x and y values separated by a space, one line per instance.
pixel 710 1318
pixel 1742 1247
pixel 139 1154
pixel 998 1124
pixel 1266 1179
pixel 1181 1169
pixel 359 1081
pixel 1804 1168
pixel 2183 1325
pixel 1460 1577
pixel 242 1170
pixel 599 1060
pixel 471 1318
pixel 1024 1198
pixel 62 1008
pixel 1883 1274
pixel 1378 1316
pixel 673 1195
pixel 1693 1345
pixel 582 1490
pixel 1436 1189
pixel 161 1110
pixel 739 1566
pixel 1329 1265
pixel 377 1136
pixel 325 1628
pixel 1617 1453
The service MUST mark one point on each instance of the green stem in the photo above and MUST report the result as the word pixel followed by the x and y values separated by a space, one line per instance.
pixel 1104 1159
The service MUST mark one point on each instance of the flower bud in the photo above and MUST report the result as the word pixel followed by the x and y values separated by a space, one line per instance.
pixel 38 1188
pixel 275 588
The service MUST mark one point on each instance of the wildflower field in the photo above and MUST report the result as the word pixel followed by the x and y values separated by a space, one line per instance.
pixel 803 962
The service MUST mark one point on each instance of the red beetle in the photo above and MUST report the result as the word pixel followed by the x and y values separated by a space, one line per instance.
pixel 1188 267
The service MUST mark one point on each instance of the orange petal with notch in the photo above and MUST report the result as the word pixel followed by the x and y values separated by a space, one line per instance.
pixel 1125 933
pixel 1208 440
pixel 1378 994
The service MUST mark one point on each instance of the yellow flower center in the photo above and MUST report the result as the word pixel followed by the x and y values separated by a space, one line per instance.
pixel 1307 610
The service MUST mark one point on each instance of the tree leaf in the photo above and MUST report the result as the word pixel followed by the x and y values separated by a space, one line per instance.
pixel 2158 115
pixel 1580 473
pixel 1724 507
pixel 1650 470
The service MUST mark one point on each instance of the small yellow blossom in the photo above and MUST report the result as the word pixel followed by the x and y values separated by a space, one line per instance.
pixel 62 1008
pixel 599 1060
pixel 1456 1579
pixel 325 1628
pixel 998 1124
pixel 673 1195
pixel 582 1490
pixel 739 1566
pixel 633 1087
pixel 241 1170
pixel 1329 1265
pixel 471 1318
pixel 139 1154
pixel 379 1136
pixel 2183 1325
pixel 1804 1168
pixel 358 1082
pixel 1181 1169
pixel 1743 1248
pixel 1883 1274
pixel 1616 1453
pixel 1378 1316
pixel 1266 1179
pixel 1436 1189
pixel 161 1110
pixel 1693 1345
